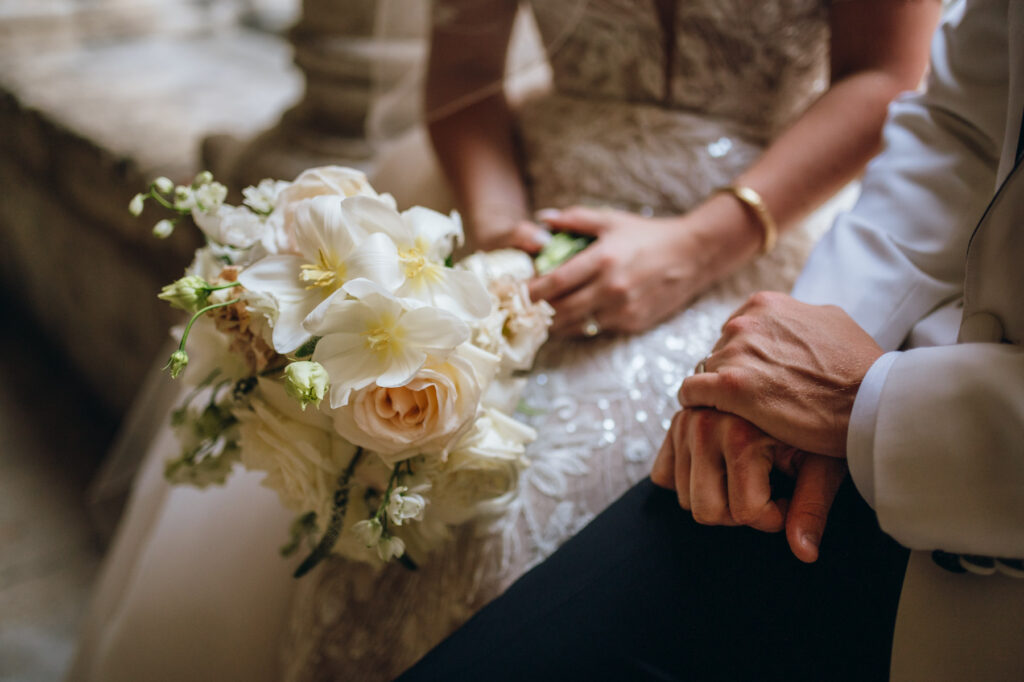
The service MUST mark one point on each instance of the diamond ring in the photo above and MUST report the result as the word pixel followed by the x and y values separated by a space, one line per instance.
pixel 591 328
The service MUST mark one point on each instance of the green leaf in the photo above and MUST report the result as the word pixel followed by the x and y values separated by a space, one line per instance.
pixel 561 248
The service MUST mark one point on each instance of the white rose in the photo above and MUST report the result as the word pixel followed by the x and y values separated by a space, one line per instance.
pixel 423 416
pixel 326 180
pixel 481 475
pixel 298 450
pixel 526 322
pixel 491 265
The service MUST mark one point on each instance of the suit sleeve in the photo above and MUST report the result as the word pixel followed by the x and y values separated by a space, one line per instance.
pixel 900 252
pixel 936 442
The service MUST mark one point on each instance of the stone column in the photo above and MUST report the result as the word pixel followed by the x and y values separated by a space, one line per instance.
pixel 345 63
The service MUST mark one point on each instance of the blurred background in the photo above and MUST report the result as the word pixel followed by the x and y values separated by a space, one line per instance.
pixel 98 97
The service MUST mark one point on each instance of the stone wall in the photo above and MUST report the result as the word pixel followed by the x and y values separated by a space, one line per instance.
pixel 89 116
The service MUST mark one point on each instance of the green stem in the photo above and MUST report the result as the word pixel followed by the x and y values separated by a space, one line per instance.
pixel 333 532
pixel 224 286
pixel 166 204
pixel 199 313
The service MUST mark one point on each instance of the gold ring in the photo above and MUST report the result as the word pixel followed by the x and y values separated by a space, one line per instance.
pixel 591 328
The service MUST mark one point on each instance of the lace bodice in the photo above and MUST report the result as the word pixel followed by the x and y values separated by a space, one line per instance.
pixel 750 63
pixel 606 135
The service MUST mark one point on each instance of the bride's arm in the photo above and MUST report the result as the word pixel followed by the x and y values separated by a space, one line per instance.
pixel 647 269
pixel 470 123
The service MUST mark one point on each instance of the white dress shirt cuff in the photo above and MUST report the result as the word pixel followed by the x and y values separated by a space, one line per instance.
pixel 860 439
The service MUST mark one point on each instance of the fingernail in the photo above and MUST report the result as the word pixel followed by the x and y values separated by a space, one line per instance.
pixel 548 214
pixel 810 540
pixel 541 237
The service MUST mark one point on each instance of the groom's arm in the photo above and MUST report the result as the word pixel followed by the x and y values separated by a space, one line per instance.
pixel 935 436
pixel 900 252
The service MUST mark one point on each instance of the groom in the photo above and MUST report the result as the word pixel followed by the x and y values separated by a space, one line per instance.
pixel 899 355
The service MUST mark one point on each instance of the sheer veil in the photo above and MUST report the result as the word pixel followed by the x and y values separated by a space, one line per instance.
pixel 397 119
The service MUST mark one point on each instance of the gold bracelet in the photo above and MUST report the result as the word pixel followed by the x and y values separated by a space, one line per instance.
pixel 755 203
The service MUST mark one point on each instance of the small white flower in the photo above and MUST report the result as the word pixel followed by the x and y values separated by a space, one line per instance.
pixel 210 196
pixel 203 178
pixel 163 185
pixel 163 229
pixel 263 197
pixel 135 205
pixel 402 507
pixel 390 547
pixel 184 198
pixel 306 382
pixel 230 225
pixel 368 531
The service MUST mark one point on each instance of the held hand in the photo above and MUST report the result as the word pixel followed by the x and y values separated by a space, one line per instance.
pixel 719 466
pixel 637 272
pixel 791 368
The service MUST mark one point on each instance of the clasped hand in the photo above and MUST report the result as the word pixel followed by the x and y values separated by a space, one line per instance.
pixel 779 385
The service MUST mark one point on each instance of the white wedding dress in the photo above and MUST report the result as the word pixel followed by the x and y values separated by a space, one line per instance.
pixel 639 118
pixel 620 129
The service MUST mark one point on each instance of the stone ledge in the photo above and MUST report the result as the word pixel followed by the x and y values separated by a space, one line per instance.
pixel 85 130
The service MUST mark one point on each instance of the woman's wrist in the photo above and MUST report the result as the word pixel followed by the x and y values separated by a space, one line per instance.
pixel 724 233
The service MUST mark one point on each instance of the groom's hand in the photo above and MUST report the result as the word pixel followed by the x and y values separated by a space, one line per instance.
pixel 791 368
pixel 719 465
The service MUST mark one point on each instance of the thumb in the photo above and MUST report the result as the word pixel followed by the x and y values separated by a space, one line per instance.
pixel 817 483
pixel 577 219
pixel 529 237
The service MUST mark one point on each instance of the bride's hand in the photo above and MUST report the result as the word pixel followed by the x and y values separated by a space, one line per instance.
pixel 637 272
pixel 525 235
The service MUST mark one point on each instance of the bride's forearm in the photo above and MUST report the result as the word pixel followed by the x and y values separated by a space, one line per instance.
pixel 477 151
pixel 830 143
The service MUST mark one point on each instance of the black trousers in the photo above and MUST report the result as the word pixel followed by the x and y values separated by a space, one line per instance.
pixel 646 593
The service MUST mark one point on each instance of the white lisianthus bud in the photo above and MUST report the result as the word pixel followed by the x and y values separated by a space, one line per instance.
pixel 390 547
pixel 188 293
pixel 402 507
pixel 176 363
pixel 203 178
pixel 135 205
pixel 163 185
pixel 163 229
pixel 307 382
pixel 368 531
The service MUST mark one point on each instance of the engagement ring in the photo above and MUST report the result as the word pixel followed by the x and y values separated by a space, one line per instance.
pixel 590 327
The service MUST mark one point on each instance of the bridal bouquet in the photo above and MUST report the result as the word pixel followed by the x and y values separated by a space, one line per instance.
pixel 334 346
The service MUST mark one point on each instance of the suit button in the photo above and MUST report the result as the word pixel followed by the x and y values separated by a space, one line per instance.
pixel 981 327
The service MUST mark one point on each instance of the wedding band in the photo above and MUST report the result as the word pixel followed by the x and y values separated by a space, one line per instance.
pixel 590 327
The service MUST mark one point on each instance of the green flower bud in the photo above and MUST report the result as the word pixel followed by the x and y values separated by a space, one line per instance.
pixel 135 205
pixel 203 178
pixel 163 229
pixel 188 293
pixel 176 363
pixel 307 382
pixel 163 185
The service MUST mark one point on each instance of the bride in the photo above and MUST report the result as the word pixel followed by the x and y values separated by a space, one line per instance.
pixel 654 105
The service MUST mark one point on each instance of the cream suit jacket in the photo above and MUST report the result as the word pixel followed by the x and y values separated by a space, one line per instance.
pixel 930 261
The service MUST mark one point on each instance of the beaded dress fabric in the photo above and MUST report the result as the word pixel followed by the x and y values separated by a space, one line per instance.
pixel 654 104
